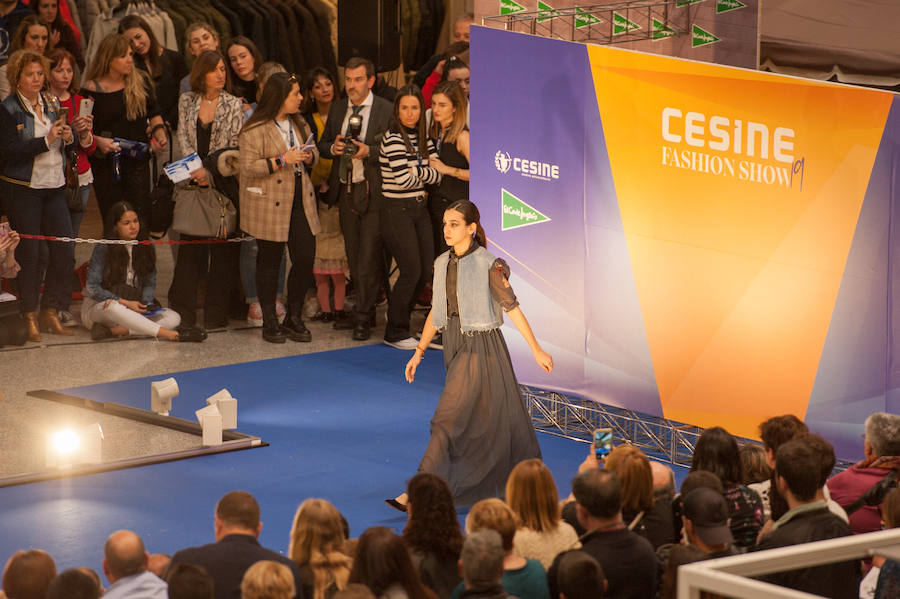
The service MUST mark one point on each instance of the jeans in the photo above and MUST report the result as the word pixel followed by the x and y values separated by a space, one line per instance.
pixel 406 227
pixel 84 192
pixel 41 212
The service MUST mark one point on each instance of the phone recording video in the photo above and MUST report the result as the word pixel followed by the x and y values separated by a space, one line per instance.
pixel 603 438
pixel 63 113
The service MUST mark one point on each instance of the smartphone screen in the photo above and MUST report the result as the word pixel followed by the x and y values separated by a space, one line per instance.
pixel 602 442
pixel 86 107
pixel 63 113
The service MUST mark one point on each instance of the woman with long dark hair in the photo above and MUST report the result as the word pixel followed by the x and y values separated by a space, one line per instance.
pixel 717 451
pixel 481 397
pixel 244 60
pixel 383 564
pixel 432 533
pixel 165 67
pixel 61 34
pixel 278 205
pixel 124 107
pixel 405 225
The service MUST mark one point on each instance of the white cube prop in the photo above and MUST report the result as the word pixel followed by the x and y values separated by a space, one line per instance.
pixel 212 429
pixel 161 394
pixel 227 407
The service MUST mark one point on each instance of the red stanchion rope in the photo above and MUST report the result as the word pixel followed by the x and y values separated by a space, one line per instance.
pixel 136 241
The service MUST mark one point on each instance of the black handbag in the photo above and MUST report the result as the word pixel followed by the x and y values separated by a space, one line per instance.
pixel 73 198
pixel 162 208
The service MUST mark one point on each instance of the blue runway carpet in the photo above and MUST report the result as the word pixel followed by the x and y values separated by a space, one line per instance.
pixel 343 425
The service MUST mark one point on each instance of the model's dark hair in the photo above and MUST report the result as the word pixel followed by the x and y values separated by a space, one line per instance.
pixel 143 257
pixel 383 560
pixel 275 92
pixel 309 102
pixel 717 452
pixel 411 90
pixel 432 526
pixel 470 215
pixel 152 59
pixel 207 63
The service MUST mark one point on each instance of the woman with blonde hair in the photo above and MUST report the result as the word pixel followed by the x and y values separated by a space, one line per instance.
pixel 531 494
pixel 125 108
pixel 317 540
pixel 522 577
pixel 267 580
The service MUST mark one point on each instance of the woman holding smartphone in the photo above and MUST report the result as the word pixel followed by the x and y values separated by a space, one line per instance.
pixel 480 429
pixel 33 141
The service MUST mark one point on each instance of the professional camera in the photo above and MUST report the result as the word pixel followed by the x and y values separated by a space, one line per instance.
pixel 354 128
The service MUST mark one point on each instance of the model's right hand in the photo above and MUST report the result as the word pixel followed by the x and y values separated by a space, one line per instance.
pixel 411 367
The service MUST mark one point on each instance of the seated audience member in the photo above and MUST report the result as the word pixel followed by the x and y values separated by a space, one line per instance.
pixel 355 591
pixel 753 462
pixel 888 585
pixel 774 432
pixel 267 580
pixel 825 451
pixel 705 520
pixel 159 563
pixel 523 578
pixel 694 480
pixel 73 584
pixel 663 481
pixel 882 451
pixel 187 581
pixel 717 451
pixel 125 566
pixel 627 559
pixel 236 526
pixel 317 542
pixel 531 494
pixel 432 533
pixel 12 327
pixel 382 563
pixel 27 574
pixel 481 564
pixel 798 476
pixel 580 576
pixel 95 577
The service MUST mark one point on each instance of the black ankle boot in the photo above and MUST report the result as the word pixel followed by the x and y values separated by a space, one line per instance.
pixel 342 321
pixel 271 330
pixel 293 324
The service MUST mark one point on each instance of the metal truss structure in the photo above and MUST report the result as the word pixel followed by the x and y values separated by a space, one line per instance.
pixel 595 23
pixel 576 418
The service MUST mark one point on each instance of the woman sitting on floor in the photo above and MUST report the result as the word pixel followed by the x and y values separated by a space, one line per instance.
pixel 121 283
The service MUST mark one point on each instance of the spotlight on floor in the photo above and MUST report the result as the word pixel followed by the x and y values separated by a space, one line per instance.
pixel 68 447
pixel 227 407
pixel 210 420
pixel 161 394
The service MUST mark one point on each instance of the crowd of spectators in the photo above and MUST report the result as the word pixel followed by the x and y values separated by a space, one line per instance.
pixel 522 546
pixel 70 129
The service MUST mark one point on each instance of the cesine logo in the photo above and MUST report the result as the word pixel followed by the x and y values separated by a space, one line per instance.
pixel 533 169
pixel 502 161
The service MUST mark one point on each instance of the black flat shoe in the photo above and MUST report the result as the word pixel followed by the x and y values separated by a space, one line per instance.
pixel 100 332
pixel 295 330
pixel 396 505
pixel 191 335
pixel 361 332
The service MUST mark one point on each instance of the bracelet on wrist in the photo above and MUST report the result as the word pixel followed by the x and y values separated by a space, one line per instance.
pixel 421 349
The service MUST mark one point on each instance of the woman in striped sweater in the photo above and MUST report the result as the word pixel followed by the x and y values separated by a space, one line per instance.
pixel 406 226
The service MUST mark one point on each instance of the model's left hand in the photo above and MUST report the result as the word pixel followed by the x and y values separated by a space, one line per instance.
pixel 544 360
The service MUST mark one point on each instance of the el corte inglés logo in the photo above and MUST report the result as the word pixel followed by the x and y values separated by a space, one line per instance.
pixel 661 31
pixel 533 169
pixel 701 37
pixel 726 5
pixel 623 25
pixel 516 213
pixel 508 7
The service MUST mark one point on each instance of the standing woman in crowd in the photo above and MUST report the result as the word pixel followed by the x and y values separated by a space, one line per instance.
pixel 63 84
pixel 244 60
pixel 200 37
pixel 124 107
pixel 32 35
pixel 451 138
pixel 382 563
pixel 278 204
pixel 405 225
pixel 165 67
pixel 210 120
pixel 317 545
pixel 61 34
pixel 481 397
pixel 121 285
pixel 33 144
pixel 717 451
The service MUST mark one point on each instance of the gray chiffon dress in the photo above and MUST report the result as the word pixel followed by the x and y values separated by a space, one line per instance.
pixel 480 429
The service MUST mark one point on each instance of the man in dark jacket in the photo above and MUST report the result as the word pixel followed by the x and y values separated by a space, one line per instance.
pixel 237 527
pixel 482 566
pixel 798 475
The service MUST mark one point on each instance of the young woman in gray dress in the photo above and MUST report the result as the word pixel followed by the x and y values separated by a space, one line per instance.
pixel 480 429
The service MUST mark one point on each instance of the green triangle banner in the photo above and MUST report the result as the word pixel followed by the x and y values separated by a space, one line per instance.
pixel 508 7
pixel 622 25
pixel 517 213
pixel 583 19
pixel 681 3
pixel 701 37
pixel 661 30
pixel 726 5
pixel 547 12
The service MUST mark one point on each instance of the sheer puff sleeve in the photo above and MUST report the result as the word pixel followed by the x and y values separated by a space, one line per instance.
pixel 501 290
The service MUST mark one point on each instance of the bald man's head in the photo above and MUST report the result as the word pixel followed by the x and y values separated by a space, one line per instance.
pixel 663 480
pixel 124 555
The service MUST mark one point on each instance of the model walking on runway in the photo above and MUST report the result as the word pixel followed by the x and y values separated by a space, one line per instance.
pixel 480 429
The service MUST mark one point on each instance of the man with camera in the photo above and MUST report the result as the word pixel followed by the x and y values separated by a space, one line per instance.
pixel 351 137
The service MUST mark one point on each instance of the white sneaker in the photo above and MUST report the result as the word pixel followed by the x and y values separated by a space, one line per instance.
pixel 254 315
pixel 280 311
pixel 66 319
pixel 407 344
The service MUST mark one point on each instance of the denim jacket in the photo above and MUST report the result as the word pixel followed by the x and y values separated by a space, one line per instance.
pixel 94 283
pixel 478 310
pixel 18 145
